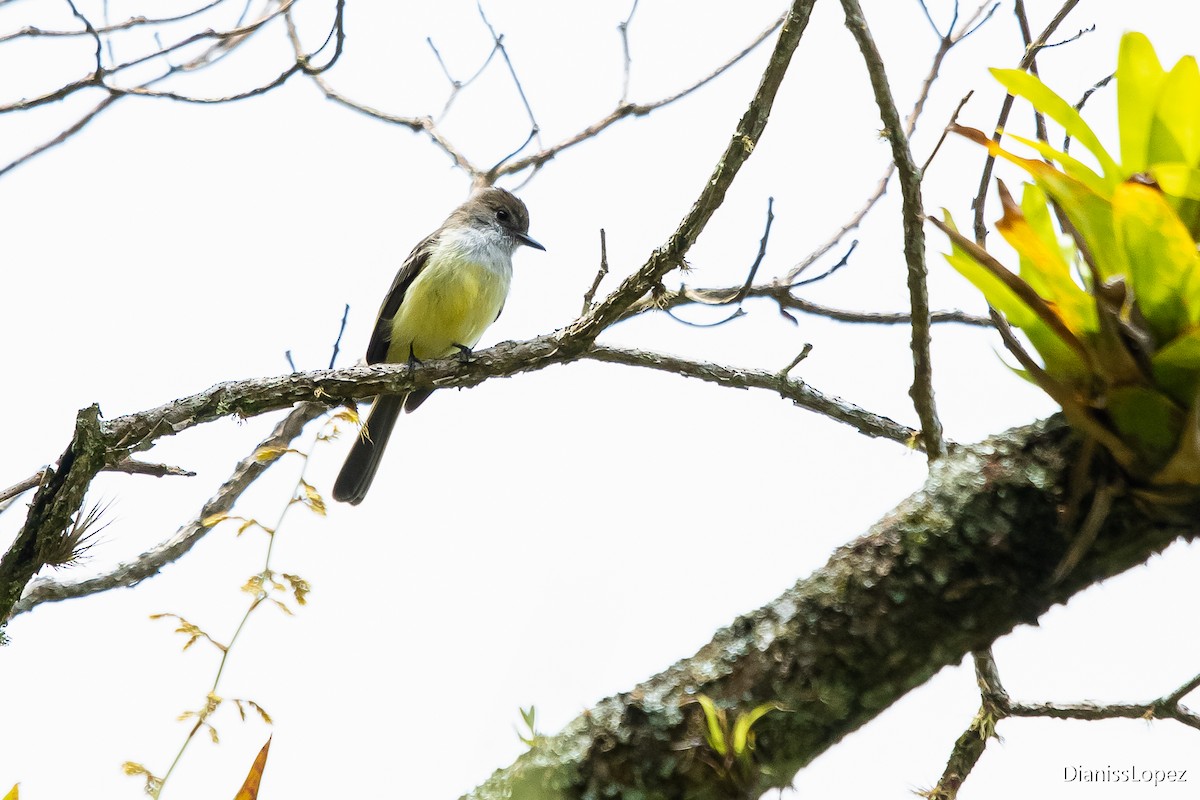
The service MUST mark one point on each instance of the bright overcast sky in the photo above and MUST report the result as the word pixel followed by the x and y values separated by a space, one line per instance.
pixel 549 539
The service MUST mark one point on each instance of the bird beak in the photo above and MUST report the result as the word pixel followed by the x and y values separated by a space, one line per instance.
pixel 525 238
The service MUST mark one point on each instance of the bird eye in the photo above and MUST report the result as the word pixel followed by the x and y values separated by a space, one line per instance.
pixel 502 215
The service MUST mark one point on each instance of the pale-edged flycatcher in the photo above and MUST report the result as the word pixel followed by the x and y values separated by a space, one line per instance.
pixel 450 289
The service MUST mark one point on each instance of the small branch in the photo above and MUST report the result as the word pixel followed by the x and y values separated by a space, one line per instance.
pixel 671 254
pixel 782 295
pixel 590 294
pixel 914 234
pixel 1183 691
pixel 910 124
pixel 762 252
pixel 1039 120
pixel 633 110
pixel 133 467
pixel 964 756
pixel 337 343
pixel 98 73
pixel 1100 84
pixel 512 71
pixel 20 487
pixel 623 30
pixel 1093 711
pixel 946 131
pixel 457 86
pixel 803 354
pixel 798 392
pixel 841 262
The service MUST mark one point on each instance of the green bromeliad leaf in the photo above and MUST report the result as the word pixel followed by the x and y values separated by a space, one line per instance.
pixel 1163 264
pixel 1024 84
pixel 1044 266
pixel 1059 358
pixel 1108 286
pixel 1175 127
pixel 1070 165
pixel 1139 81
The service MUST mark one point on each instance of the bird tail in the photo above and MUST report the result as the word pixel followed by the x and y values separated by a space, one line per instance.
pixel 359 470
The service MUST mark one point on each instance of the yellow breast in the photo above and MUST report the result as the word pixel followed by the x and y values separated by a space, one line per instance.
pixel 451 302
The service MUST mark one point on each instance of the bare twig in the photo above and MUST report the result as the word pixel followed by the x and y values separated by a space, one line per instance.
pixel 132 466
pixel 914 234
pixel 623 30
pixel 762 252
pixel 337 343
pixel 841 262
pixel 782 295
pixel 633 110
pixel 1039 120
pixel 671 254
pixel 963 756
pixel 91 30
pixel 456 85
pixel 946 131
pixel 910 125
pixel 590 294
pixel 132 22
pixel 21 487
pixel 224 43
pixel 512 71
pixel 1100 84
pixel 803 354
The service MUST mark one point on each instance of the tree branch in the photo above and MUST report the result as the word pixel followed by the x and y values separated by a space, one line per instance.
pixel 151 562
pixel 958 564
pixel 797 391
pixel 671 254
pixel 914 233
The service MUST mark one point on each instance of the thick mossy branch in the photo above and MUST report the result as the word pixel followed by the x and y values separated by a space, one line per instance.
pixel 958 564
pixel 55 503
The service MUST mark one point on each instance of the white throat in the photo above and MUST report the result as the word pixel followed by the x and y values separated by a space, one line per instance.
pixel 487 247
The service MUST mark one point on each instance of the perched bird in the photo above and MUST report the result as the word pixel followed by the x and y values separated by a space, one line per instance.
pixel 449 290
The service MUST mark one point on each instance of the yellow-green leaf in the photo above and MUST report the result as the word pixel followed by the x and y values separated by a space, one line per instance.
pixel 1088 212
pixel 714 719
pixel 1139 80
pixel 1023 84
pixel 745 722
pixel 1175 126
pixel 1045 269
pixel 1070 165
pixel 1162 259
pixel 264 455
pixel 1060 355
pixel 1177 179
pixel 1036 208
pixel 313 498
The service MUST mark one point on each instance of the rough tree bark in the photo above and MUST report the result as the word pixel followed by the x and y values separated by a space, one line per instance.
pixel 958 564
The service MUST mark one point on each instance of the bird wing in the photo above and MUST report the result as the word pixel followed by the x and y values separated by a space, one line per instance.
pixel 381 337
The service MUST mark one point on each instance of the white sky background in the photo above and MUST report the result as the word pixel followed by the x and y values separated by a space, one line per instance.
pixel 549 539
